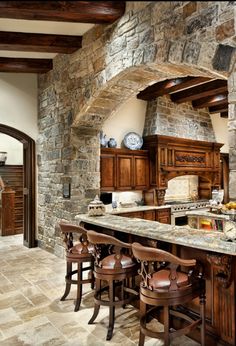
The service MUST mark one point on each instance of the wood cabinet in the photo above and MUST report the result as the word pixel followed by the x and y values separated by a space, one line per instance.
pixel 124 170
pixel 163 215
pixel 160 215
pixel 7 226
pixel 170 157
pixel 12 176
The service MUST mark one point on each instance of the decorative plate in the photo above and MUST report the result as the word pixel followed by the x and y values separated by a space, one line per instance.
pixel 133 141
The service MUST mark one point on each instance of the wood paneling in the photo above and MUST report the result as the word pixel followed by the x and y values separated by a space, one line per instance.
pixel 12 176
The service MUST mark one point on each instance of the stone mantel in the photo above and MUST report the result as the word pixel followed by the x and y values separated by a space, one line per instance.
pixel 198 239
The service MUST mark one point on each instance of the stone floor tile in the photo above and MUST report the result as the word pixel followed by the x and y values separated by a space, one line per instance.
pixel 31 313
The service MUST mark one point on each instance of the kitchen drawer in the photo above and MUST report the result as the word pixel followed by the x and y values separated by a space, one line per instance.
pixel 138 214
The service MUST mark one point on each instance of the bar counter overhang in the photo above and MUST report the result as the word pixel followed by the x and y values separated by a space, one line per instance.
pixel 217 256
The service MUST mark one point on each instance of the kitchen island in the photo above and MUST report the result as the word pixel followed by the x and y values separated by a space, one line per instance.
pixel 209 247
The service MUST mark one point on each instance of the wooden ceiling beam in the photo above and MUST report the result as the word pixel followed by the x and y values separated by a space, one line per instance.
pixel 25 65
pixel 169 86
pixel 17 41
pixel 219 109
pixel 204 90
pixel 224 114
pixel 97 12
pixel 210 101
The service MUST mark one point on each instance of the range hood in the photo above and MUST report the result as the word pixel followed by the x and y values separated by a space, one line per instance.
pixel 171 157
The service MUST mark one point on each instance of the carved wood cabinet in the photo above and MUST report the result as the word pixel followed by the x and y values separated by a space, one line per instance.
pixel 124 170
pixel 170 157
pixel 160 215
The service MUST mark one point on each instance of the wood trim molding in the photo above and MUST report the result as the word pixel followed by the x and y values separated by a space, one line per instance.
pixel 29 183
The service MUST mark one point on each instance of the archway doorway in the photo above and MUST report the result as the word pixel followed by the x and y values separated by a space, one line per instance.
pixel 28 183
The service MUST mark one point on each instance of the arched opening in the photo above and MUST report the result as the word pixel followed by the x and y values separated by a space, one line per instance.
pixel 28 183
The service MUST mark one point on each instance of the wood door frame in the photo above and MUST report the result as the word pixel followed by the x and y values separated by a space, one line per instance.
pixel 29 183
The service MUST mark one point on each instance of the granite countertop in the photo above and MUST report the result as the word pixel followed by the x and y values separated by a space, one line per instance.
pixel 181 235
pixel 121 210
pixel 205 213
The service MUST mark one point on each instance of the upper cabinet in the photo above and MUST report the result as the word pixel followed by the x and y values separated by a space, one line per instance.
pixel 124 169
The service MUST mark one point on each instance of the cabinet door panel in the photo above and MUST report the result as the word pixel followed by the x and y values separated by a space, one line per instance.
pixel 108 172
pixel 149 215
pixel 163 215
pixel 141 172
pixel 124 172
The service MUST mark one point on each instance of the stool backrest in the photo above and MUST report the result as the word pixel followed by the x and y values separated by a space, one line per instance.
pixel 149 255
pixel 68 229
pixel 115 246
pixel 100 238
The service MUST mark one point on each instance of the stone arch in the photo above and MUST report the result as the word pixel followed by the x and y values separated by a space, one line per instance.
pixel 161 41
pixel 28 183
pixel 127 84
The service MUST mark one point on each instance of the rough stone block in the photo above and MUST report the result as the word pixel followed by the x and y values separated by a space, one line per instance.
pixel 225 30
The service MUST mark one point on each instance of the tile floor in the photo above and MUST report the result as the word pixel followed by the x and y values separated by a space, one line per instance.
pixel 31 313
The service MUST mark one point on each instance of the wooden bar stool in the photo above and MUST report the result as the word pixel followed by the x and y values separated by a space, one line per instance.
pixel 115 269
pixel 78 254
pixel 164 288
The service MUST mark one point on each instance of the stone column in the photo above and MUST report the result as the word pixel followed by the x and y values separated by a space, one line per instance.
pixel 232 136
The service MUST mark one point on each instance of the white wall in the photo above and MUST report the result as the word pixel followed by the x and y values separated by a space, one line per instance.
pixel 220 127
pixel 14 149
pixel 129 118
pixel 18 102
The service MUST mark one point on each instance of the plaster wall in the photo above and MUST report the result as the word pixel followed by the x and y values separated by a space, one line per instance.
pixel 19 102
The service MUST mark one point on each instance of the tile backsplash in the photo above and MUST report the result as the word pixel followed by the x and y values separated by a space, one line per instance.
pixel 181 188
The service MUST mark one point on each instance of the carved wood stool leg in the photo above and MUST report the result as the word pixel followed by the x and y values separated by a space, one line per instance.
pixel 166 326
pixel 91 274
pixel 79 287
pixel 68 277
pixel 96 306
pixel 111 310
pixel 202 312
pixel 142 314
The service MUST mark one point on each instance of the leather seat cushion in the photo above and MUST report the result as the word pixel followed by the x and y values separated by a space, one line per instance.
pixel 109 262
pixel 77 249
pixel 161 279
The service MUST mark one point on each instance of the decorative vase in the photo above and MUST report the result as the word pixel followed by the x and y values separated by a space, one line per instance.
pixel 103 140
pixel 96 207
pixel 112 143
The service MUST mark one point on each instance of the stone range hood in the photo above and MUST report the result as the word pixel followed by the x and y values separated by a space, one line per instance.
pixel 171 157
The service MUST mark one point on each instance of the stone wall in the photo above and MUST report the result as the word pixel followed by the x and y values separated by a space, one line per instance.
pixel 148 44
pixel 164 117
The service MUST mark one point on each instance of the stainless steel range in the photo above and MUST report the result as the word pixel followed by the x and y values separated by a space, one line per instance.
pixel 179 208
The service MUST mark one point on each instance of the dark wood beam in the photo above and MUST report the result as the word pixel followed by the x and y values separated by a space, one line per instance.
pixel 97 12
pixel 219 109
pixel 224 114
pixel 25 65
pixel 169 86
pixel 211 101
pixel 208 89
pixel 39 42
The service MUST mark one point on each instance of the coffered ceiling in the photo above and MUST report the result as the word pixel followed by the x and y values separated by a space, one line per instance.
pixel 33 32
